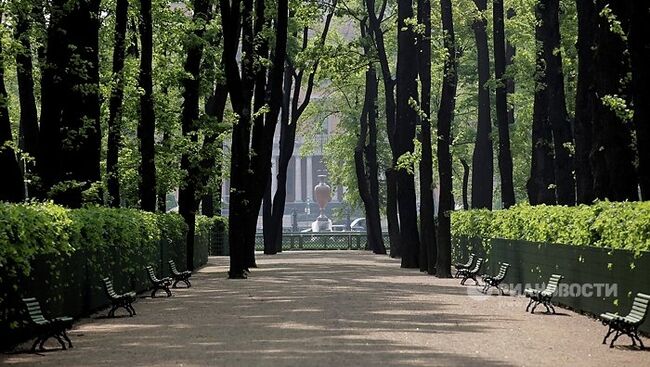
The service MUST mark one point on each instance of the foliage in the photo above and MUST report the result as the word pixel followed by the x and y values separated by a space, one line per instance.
pixel 605 224
pixel 32 230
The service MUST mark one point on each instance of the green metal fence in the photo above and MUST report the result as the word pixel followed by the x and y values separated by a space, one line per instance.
pixel 301 241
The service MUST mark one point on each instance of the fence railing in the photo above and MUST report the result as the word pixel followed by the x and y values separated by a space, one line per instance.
pixel 303 241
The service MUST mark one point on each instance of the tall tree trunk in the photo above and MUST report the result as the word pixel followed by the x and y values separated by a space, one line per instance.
pixel 640 55
pixel 428 248
pixel 407 118
pixel 11 185
pixel 465 189
pixel 28 135
pixel 147 122
pixel 540 186
pixel 557 113
pixel 374 23
pixel 365 155
pixel 445 119
pixel 585 101
pixel 611 155
pixel 287 140
pixel 190 190
pixel 482 160
pixel 511 51
pixel 70 112
pixel 115 105
pixel 288 133
pixel 505 155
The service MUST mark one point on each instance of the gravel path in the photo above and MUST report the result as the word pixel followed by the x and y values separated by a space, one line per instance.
pixel 334 308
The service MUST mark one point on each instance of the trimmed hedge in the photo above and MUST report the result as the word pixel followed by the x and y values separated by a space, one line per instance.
pixel 605 224
pixel 59 255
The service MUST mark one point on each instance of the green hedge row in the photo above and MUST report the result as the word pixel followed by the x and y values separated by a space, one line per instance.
pixel 605 224
pixel 60 255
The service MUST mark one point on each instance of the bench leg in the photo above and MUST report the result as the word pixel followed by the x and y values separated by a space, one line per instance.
pixel 111 313
pixel 609 332
pixel 618 333
pixel 501 290
pixel 636 334
pixel 529 303
pixel 38 339
pixel 129 307
pixel 534 306
pixel 42 343
pixel 187 282
pixel 58 338
pixel 551 306
pixel 64 334
pixel 169 293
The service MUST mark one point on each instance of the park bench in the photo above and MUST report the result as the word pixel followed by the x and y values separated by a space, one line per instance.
pixel 467 265
pixel 46 328
pixel 628 325
pixel 158 284
pixel 471 273
pixel 495 281
pixel 179 276
pixel 544 297
pixel 118 300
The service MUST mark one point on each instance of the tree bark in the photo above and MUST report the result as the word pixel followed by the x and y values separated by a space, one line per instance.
pixel 540 186
pixel 611 155
pixel 147 122
pixel 190 191
pixel 482 160
pixel 428 247
pixel 585 101
pixel 374 23
pixel 505 154
pixel 11 185
pixel 365 155
pixel 407 118
pixel 70 138
pixel 445 119
pixel 465 189
pixel 28 131
pixel 115 105
pixel 639 45
pixel 557 113
pixel 288 126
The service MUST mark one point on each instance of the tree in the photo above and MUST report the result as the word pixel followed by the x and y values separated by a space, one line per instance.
pixel 482 163
pixel 557 113
pixel 505 155
pixel 542 174
pixel 147 121
pixel 250 155
pixel 365 156
pixel 611 154
pixel 445 119
pixel 585 101
pixel 68 159
pixel 28 136
pixel 428 247
pixel 11 186
pixel 639 46
pixel 115 104
pixel 407 118
pixel 294 108
pixel 374 22
pixel 189 193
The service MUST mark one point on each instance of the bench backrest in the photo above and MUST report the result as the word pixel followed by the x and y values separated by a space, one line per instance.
pixel 152 274
pixel 503 270
pixel 34 310
pixel 108 287
pixel 639 309
pixel 470 261
pixel 477 266
pixel 553 283
pixel 172 267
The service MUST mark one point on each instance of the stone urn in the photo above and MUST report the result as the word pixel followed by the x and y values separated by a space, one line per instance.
pixel 322 194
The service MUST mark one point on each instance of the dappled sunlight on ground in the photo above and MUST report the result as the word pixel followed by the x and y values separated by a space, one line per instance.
pixel 332 308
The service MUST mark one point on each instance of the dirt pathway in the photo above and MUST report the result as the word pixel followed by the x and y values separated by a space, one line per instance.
pixel 337 309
